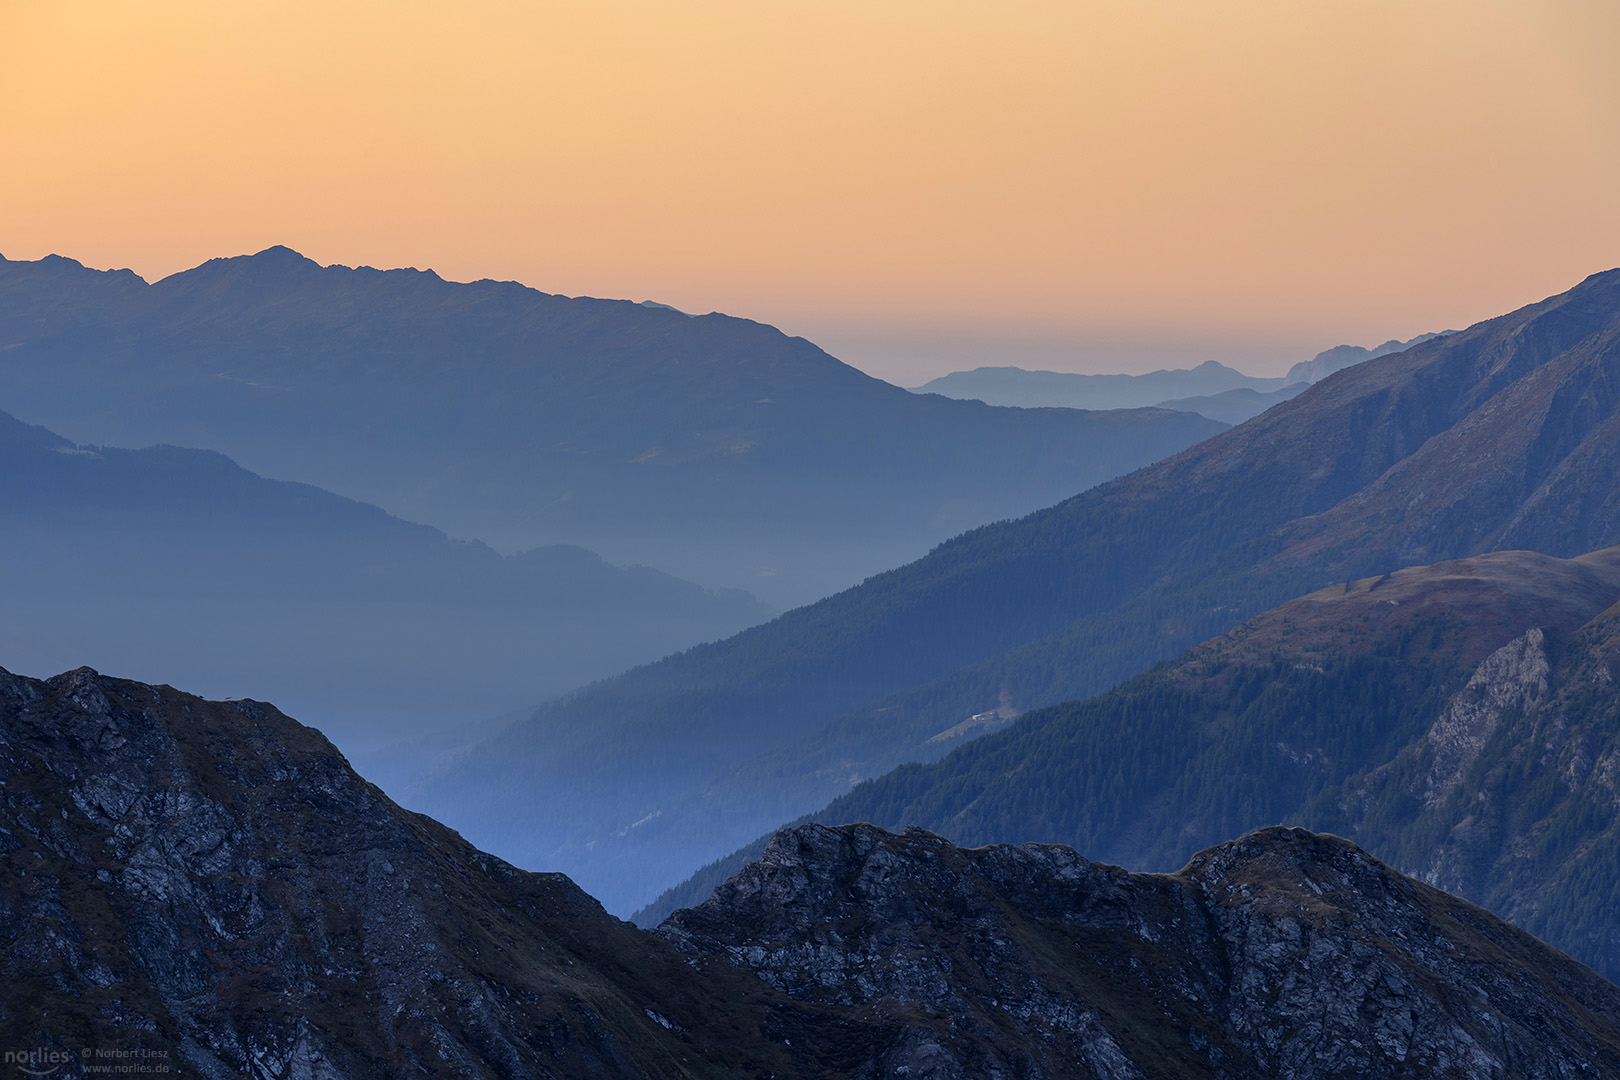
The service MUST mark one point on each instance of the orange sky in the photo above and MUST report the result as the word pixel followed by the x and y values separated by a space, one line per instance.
pixel 917 186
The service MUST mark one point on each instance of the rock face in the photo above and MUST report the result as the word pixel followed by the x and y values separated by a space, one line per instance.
pixel 1459 721
pixel 207 887
pixel 1512 677
pixel 1284 954
pixel 210 884
pixel 1512 799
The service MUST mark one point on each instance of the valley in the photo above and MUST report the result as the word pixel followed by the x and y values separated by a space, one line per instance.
pixel 1499 437
pixel 713 448
pixel 630 541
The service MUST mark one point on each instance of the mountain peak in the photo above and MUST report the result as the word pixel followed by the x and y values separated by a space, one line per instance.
pixel 1279 852
pixel 277 264
pixel 1034 949
pixel 281 253
pixel 278 259
pixel 1602 277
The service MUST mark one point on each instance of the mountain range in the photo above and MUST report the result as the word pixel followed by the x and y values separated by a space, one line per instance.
pixel 1211 389
pixel 715 448
pixel 209 885
pixel 1457 720
pixel 204 888
pixel 1503 436
pixel 181 565
pixel 1023 389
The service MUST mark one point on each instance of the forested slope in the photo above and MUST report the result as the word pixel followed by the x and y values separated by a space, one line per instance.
pixel 1459 720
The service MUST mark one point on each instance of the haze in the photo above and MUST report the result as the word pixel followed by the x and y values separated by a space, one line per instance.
pixel 916 187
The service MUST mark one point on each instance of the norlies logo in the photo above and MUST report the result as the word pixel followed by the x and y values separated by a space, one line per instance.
pixel 40 1062
pixel 92 1061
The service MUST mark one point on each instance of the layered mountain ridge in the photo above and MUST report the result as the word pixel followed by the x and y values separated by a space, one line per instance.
pixel 711 447
pixel 1211 389
pixel 1046 389
pixel 1457 720
pixel 208 886
pixel 1501 436
pixel 181 563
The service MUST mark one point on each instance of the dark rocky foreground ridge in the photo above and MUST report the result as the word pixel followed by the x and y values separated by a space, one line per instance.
pixel 1285 953
pixel 209 882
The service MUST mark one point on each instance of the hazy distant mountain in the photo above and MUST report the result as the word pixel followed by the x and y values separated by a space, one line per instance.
pixel 1034 389
pixel 1457 720
pixel 180 565
pixel 1503 436
pixel 1340 357
pixel 713 447
pixel 207 888
pixel 1234 406
pixel 1210 389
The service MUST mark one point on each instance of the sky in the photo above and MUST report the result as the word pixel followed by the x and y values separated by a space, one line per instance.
pixel 918 187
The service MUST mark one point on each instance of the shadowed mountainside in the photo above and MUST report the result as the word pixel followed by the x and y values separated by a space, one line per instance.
pixel 210 881
pixel 1505 435
pixel 1459 720
pixel 712 447
pixel 1282 954
pixel 181 563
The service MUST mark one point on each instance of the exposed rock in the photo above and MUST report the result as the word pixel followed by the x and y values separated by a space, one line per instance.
pixel 210 883
pixel 1284 954
pixel 1513 677
pixel 207 886
pixel 1511 798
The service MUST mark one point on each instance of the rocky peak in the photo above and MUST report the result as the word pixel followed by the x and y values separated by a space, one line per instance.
pixel 209 884
pixel 1283 954
pixel 1513 677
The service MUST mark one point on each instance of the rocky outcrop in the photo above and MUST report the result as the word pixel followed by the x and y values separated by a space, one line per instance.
pixel 1284 954
pixel 1510 799
pixel 207 887
pixel 1514 677
pixel 210 885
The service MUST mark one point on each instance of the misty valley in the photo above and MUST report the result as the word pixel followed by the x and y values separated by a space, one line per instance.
pixel 405 677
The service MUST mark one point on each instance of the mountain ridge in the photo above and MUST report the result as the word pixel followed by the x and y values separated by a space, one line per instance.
pixel 181 562
pixel 1336 976
pixel 1211 388
pixel 1022 388
pixel 1065 602
pixel 1456 720
pixel 208 886
pixel 716 448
